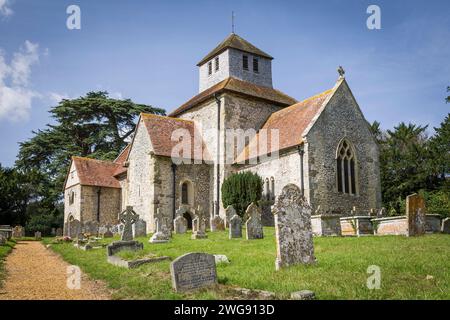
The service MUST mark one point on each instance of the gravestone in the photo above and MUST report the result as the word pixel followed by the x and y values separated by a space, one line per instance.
pixel 127 217
pixel 445 226
pixel 253 226
pixel 381 213
pixel 2 239
pixel 229 213
pixel 216 224
pixel 235 227
pixel 140 228
pixel 53 232
pixel 18 232
pixel 199 225
pixel 193 271
pixel 74 228
pixel 416 215
pixel 91 228
pixel 293 229
pixel 59 232
pixel 180 224
pixel 37 235
pixel 162 233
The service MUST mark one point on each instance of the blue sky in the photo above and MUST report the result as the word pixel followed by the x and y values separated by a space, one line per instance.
pixel 147 51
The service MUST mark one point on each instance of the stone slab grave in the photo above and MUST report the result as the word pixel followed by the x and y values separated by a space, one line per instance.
pixel 128 217
pixel 2 239
pixel 293 230
pixel 162 233
pixel 193 271
pixel 445 228
pixel 229 213
pixel 253 225
pixel 199 225
pixel 180 224
pixel 6 231
pixel 18 232
pixel 356 226
pixel 416 215
pixel 433 223
pixel 235 227
pixel 324 223
pixel 216 223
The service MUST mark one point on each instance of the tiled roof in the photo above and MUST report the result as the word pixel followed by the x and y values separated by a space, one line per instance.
pixel 290 122
pixel 238 86
pixel 121 160
pixel 160 129
pixel 236 42
pixel 92 172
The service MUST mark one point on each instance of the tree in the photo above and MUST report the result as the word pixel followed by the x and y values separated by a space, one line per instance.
pixel 94 126
pixel 240 190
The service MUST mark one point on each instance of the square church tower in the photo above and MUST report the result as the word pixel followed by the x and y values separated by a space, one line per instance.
pixel 237 58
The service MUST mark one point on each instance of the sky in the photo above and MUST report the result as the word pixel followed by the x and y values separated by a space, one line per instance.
pixel 148 50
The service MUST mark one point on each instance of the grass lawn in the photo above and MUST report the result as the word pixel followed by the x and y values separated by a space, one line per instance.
pixel 341 271
pixel 4 251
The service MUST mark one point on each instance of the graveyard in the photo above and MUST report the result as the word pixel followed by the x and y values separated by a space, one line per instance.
pixel 411 267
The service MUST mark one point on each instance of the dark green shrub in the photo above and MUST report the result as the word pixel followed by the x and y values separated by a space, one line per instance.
pixel 240 190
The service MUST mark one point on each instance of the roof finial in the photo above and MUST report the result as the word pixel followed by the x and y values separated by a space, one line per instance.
pixel 232 21
pixel 341 72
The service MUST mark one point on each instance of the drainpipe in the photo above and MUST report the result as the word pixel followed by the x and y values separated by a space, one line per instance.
pixel 174 171
pixel 301 152
pixel 218 156
pixel 99 191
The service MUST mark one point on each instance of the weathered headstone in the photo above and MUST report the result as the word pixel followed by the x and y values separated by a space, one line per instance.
pixel 445 226
pixel 253 226
pixel 199 225
pixel 216 224
pixel 18 232
pixel 162 233
pixel 180 224
pixel 140 228
pixel 37 235
pixel 193 271
pixel 416 214
pixel 229 213
pixel 91 228
pixel 59 232
pixel 53 232
pixel 293 229
pixel 74 228
pixel 235 227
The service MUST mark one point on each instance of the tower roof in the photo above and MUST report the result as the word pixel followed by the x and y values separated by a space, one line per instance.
pixel 236 42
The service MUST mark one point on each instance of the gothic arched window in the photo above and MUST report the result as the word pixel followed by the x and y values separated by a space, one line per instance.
pixel 345 168
pixel 267 189
pixel 184 193
pixel 272 188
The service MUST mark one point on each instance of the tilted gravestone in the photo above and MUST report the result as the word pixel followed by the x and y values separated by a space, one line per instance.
pixel 162 233
pixel 253 226
pixel 140 228
pixel 445 226
pixel 293 229
pixel 216 224
pixel 37 235
pixel 235 227
pixel 193 271
pixel 415 214
pixel 229 213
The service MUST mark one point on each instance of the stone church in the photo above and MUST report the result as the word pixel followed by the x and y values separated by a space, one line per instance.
pixel 323 144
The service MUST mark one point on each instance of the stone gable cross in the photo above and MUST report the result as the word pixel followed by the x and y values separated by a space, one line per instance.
pixel 128 217
pixel 341 71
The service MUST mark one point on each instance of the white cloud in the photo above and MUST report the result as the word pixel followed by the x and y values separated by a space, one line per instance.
pixel 57 97
pixel 5 9
pixel 15 94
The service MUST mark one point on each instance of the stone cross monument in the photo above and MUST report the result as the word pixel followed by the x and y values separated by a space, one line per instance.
pixel 128 217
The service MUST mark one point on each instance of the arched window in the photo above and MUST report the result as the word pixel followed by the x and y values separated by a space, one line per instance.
pixel 345 168
pixel 184 193
pixel 267 189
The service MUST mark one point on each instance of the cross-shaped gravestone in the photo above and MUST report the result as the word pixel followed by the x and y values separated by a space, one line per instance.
pixel 128 217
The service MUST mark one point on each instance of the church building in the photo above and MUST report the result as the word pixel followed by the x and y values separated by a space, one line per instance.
pixel 237 122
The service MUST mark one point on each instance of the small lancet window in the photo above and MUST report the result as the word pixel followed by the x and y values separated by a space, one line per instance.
pixel 245 62
pixel 272 188
pixel 345 168
pixel 71 197
pixel 255 65
pixel 216 64
pixel 184 193
pixel 209 68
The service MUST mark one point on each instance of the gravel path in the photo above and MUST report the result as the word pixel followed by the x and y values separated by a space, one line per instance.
pixel 37 273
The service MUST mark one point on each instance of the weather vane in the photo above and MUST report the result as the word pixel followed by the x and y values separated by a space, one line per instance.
pixel 232 21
